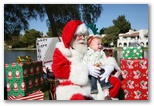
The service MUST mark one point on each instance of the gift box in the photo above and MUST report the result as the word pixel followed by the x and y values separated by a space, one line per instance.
pixel 134 67
pixel 24 78
pixel 133 52
pixel 39 95
pixel 135 78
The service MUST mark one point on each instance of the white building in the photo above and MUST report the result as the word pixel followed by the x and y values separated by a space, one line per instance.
pixel 140 37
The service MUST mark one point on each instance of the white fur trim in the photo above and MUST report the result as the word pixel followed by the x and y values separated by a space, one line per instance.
pixel 112 61
pixel 65 51
pixel 114 98
pixel 81 29
pixel 79 74
pixel 79 71
pixel 66 92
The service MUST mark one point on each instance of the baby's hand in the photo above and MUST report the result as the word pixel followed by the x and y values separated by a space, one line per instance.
pixel 98 64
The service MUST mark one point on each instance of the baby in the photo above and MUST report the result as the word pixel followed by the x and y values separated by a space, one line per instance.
pixel 96 56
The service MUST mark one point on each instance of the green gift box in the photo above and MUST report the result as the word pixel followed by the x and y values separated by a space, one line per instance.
pixel 133 52
pixel 24 78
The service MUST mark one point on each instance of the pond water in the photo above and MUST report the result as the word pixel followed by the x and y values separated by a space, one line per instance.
pixel 10 56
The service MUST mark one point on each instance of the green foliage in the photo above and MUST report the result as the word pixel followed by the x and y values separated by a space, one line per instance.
pixel 14 41
pixel 16 16
pixel 89 12
pixel 31 36
pixel 106 41
pixel 19 44
pixel 101 31
pixel 58 17
pixel 121 23
pixel 49 33
pixel 112 34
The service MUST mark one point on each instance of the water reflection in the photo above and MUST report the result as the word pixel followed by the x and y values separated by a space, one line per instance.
pixel 10 56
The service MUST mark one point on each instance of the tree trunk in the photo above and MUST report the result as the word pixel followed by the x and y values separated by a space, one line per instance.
pixel 51 19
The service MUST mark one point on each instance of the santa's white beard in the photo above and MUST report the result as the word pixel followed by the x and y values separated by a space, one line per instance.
pixel 80 47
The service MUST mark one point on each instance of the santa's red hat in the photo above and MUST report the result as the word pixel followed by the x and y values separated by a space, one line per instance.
pixel 72 28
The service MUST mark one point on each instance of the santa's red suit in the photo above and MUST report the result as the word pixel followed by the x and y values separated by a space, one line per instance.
pixel 67 66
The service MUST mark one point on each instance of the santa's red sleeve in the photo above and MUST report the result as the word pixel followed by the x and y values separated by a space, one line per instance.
pixel 60 65
pixel 67 65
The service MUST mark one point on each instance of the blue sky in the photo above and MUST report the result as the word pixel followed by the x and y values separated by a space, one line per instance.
pixel 136 14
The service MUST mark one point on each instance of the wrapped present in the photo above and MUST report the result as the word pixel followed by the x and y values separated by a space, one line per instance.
pixel 135 94
pixel 134 67
pixel 135 78
pixel 133 52
pixel 24 78
pixel 39 95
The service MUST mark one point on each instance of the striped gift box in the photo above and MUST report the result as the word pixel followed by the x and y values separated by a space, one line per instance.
pixel 39 95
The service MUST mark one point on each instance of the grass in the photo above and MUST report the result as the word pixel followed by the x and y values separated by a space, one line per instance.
pixel 46 95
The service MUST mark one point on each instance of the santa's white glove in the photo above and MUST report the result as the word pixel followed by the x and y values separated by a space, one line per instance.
pixel 94 71
pixel 108 70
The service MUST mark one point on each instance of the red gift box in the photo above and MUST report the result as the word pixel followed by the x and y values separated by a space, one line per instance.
pixel 136 68
pixel 39 95
pixel 135 78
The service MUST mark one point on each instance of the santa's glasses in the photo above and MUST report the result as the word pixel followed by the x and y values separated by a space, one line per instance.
pixel 81 35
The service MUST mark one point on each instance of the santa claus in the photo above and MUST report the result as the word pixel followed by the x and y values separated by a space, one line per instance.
pixel 68 68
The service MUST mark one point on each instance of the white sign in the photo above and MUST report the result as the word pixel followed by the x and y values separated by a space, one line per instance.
pixel 45 49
